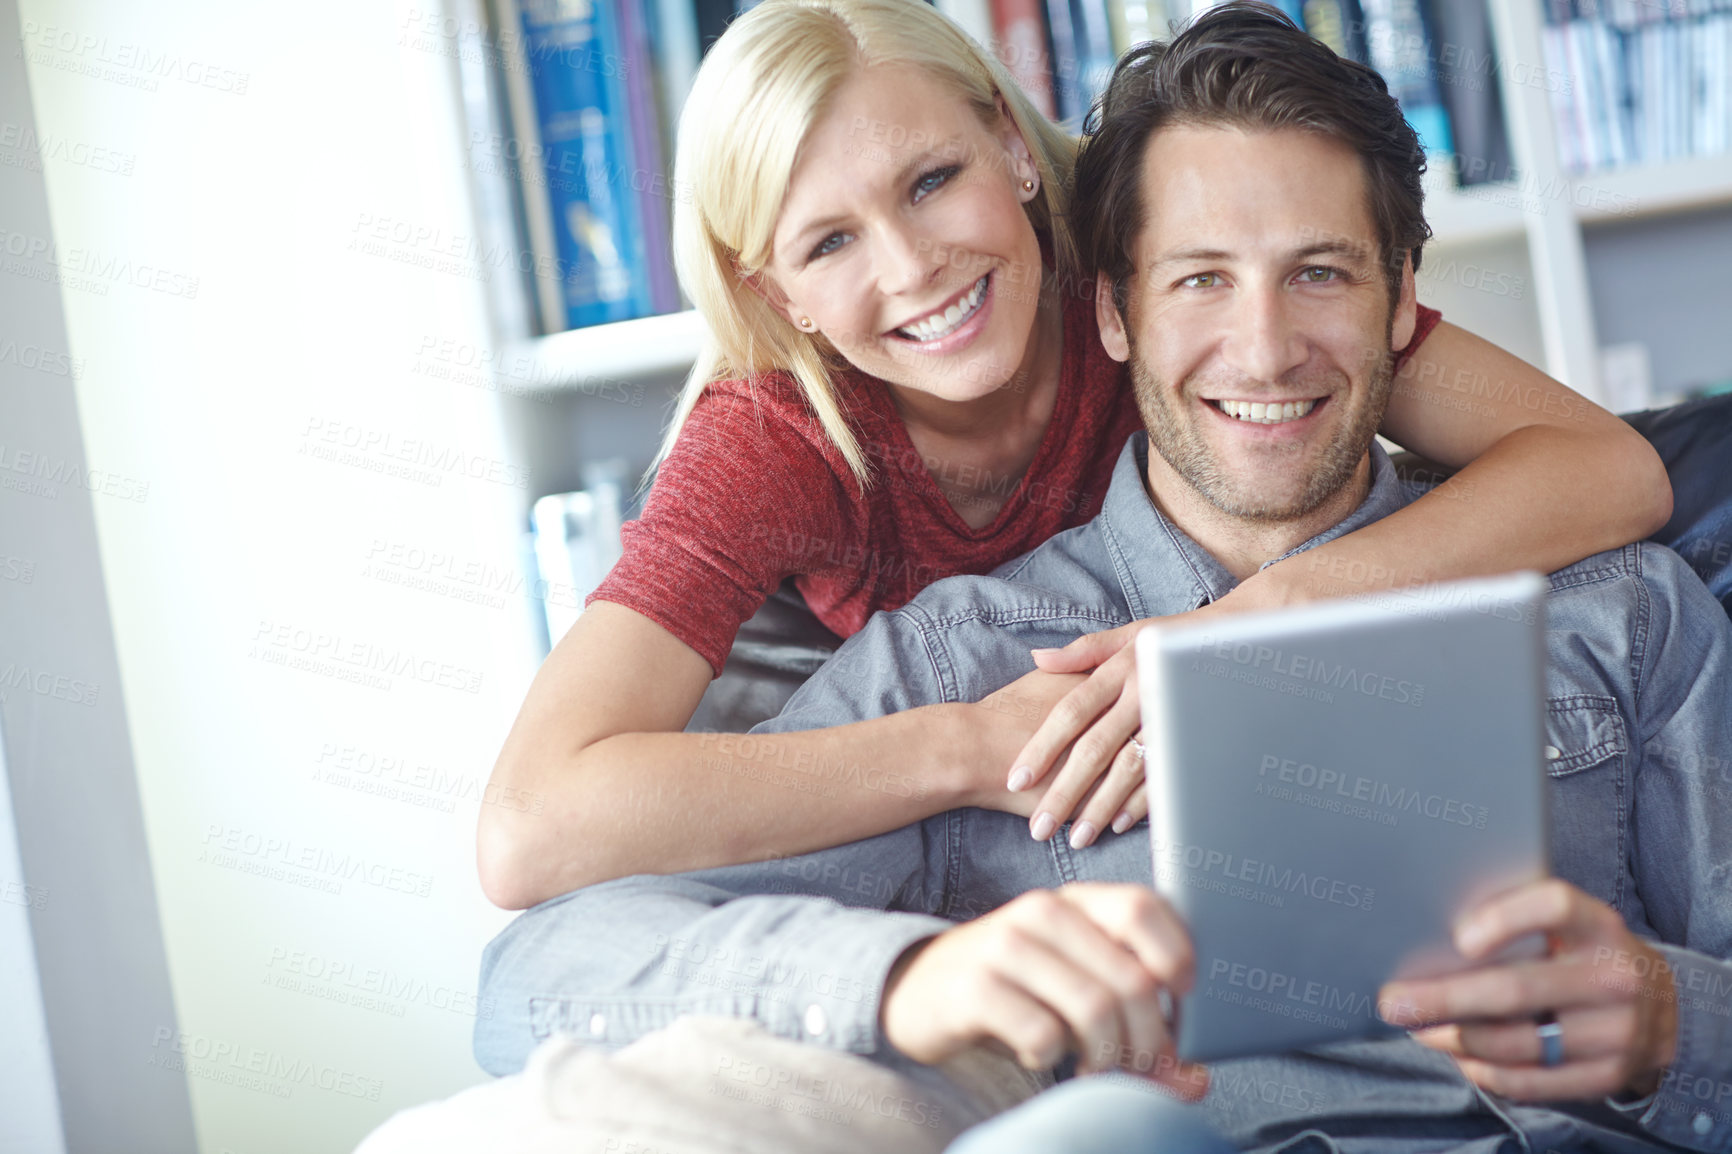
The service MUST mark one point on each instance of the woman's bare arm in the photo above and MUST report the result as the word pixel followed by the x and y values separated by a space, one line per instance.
pixel 596 781
pixel 1546 478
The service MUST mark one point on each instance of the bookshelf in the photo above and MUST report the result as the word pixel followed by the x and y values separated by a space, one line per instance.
pixel 1541 224
pixel 594 359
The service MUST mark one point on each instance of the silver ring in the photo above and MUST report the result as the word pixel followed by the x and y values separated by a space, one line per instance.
pixel 1142 750
pixel 1551 1032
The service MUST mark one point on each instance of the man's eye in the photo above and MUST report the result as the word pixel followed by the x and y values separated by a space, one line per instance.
pixel 930 181
pixel 828 245
pixel 1202 280
pixel 1318 274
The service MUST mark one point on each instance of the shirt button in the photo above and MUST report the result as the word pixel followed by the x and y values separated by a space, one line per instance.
pixel 1553 753
pixel 1702 1124
pixel 815 1020
pixel 597 1026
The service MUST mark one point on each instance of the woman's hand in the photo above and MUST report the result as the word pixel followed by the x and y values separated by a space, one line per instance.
pixel 1102 779
pixel 1095 721
pixel 1005 721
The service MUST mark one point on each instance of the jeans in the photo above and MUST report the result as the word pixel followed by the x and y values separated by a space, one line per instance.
pixel 1109 1113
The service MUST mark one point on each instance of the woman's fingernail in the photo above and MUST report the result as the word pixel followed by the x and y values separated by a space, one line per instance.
pixel 1122 822
pixel 1044 824
pixel 1020 777
pixel 1037 652
pixel 1082 833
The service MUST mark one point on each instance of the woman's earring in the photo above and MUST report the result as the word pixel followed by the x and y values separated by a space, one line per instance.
pixel 806 324
pixel 1028 186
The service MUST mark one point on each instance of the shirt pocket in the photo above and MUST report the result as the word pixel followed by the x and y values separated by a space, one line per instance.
pixel 1587 767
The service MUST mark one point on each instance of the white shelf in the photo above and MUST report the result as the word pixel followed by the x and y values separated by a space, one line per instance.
pixel 1654 189
pixel 594 359
pixel 1482 212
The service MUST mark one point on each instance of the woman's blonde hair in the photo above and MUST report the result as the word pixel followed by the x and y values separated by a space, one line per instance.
pixel 765 83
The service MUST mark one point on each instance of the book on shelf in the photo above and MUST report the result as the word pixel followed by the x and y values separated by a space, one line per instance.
pixel 587 84
pixel 570 111
pixel 1022 44
pixel 1400 46
pixel 1339 24
pixel 1638 82
pixel 1468 79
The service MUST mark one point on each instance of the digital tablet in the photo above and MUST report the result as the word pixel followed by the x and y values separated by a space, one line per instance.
pixel 1330 787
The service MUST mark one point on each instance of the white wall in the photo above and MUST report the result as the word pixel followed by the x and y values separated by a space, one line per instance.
pixel 29 1109
pixel 229 309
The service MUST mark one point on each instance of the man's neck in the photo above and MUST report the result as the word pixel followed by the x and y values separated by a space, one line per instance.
pixel 1244 545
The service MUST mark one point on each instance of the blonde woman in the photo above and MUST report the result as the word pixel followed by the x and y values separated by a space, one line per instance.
pixel 904 381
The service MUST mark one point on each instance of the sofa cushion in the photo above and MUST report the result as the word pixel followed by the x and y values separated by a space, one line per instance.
pixel 1695 441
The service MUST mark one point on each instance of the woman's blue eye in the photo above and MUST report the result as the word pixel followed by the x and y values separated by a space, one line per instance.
pixel 934 179
pixel 828 245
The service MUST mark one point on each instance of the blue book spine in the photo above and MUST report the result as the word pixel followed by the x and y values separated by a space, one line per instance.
pixel 577 65
pixel 1400 47
pixel 1094 46
pixel 651 184
pixel 1066 68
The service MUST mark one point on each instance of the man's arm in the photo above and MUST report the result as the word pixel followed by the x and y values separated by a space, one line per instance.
pixel 616 961
pixel 802 944
pixel 1683 850
pixel 1646 1024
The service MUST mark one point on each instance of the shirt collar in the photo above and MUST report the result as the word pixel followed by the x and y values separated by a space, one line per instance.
pixel 1162 570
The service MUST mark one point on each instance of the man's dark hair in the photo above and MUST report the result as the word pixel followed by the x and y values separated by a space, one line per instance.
pixel 1242 65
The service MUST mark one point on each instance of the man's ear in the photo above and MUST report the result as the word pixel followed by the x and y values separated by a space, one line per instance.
pixel 1406 309
pixel 1112 325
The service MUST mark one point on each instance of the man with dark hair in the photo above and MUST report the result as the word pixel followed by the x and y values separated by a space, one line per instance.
pixel 1252 205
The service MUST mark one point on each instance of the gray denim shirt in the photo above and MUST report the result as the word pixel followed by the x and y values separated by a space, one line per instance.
pixel 1639 726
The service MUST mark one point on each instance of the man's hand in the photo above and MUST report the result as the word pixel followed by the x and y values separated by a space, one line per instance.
pixel 1078 969
pixel 1619 1032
